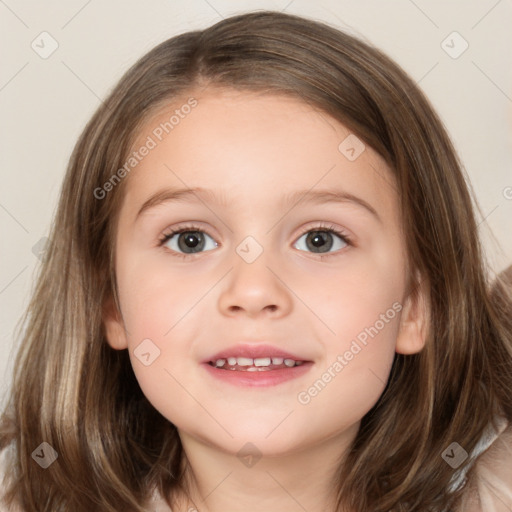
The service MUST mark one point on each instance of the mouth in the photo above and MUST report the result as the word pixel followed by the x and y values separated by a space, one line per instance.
pixel 259 364
pixel 256 365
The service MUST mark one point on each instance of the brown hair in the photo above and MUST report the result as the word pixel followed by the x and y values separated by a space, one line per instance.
pixel 114 446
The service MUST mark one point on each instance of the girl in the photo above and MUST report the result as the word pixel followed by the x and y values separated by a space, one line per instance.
pixel 264 290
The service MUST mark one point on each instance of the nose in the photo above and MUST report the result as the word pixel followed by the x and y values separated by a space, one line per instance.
pixel 255 289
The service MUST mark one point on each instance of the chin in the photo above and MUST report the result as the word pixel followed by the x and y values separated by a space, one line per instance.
pixel 264 436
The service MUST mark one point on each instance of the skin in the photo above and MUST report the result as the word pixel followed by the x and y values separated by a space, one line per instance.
pixel 255 149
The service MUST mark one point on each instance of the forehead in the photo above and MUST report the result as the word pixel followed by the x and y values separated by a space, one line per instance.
pixel 246 145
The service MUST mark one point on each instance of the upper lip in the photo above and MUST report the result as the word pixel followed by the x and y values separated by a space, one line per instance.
pixel 253 351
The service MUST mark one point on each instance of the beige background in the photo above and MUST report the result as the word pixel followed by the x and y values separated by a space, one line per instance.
pixel 45 102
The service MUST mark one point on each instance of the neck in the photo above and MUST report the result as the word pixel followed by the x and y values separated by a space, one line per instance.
pixel 303 480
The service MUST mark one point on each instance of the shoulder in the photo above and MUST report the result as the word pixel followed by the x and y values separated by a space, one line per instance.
pixel 491 488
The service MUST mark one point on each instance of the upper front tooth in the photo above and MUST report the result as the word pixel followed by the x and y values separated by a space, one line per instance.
pixel 262 361
pixel 289 362
pixel 244 361
pixel 277 360
pixel 231 361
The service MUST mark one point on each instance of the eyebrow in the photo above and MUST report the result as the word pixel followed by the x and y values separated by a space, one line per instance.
pixel 199 194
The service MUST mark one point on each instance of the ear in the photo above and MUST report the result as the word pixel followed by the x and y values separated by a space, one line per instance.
pixel 113 325
pixel 414 320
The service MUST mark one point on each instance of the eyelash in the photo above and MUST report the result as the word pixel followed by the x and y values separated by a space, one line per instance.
pixel 191 227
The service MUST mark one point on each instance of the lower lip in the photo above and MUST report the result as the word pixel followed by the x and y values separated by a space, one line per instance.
pixel 259 378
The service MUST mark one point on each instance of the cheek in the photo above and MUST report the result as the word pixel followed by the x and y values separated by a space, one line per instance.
pixel 361 310
pixel 160 308
pixel 155 300
pixel 358 300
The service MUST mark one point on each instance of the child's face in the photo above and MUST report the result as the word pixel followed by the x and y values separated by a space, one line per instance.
pixel 264 282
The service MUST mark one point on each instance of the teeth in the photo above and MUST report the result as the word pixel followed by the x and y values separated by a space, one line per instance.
pixel 254 364
pixel 262 361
